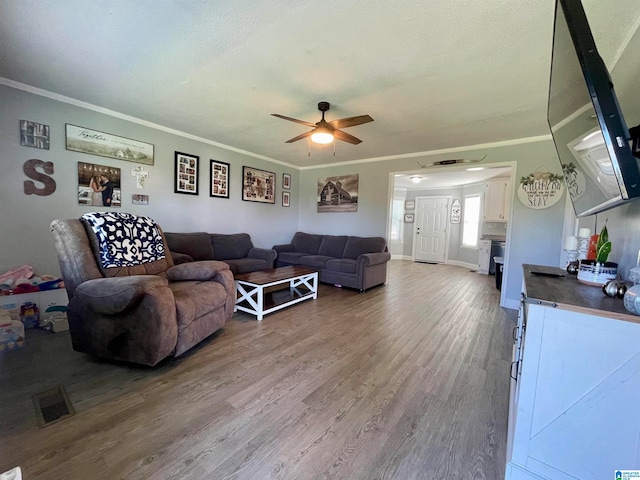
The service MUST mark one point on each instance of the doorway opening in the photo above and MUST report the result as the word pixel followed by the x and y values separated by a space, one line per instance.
pixel 433 221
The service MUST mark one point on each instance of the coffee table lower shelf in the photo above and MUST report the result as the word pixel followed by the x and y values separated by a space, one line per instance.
pixel 252 298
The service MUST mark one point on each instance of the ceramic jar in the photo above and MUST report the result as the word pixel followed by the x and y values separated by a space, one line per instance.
pixel 632 299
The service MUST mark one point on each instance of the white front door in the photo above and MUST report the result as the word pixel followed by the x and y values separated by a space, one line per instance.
pixel 430 233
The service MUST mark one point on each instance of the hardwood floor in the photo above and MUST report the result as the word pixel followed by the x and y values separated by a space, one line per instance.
pixel 406 381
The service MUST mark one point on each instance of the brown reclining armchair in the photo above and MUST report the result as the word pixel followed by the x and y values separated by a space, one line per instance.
pixel 139 313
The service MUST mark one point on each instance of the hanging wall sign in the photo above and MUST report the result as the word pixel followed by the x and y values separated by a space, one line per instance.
pixel 540 189
pixel 456 210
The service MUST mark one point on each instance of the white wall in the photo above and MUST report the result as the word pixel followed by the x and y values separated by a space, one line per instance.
pixel 25 237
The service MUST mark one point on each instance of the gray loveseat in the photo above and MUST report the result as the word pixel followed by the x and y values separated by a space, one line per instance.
pixel 355 262
pixel 235 249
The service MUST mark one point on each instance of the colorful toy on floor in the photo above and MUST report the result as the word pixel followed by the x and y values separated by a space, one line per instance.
pixel 11 333
pixel 30 315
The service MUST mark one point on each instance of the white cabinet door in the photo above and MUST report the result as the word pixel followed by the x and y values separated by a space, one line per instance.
pixel 497 200
pixel 576 397
pixel 484 256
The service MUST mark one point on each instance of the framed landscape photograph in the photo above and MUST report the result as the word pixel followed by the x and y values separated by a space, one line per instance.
pixel 338 194
pixel 258 185
pixel 219 179
pixel 285 199
pixel 286 181
pixel 93 142
pixel 34 134
pixel 186 173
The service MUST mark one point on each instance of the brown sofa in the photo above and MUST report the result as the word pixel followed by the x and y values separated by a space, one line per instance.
pixel 235 249
pixel 140 313
pixel 348 261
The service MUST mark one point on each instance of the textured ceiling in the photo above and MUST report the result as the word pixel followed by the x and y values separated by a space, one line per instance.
pixel 433 75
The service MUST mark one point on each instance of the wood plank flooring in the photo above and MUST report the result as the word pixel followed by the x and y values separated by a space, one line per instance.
pixel 406 381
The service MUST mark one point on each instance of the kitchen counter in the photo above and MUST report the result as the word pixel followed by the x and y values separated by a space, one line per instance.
pixel 494 238
pixel 568 294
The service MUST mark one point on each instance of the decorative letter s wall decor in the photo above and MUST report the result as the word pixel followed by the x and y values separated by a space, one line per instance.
pixel 30 171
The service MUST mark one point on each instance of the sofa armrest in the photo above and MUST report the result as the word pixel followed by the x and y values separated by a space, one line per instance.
pixel 369 259
pixel 179 258
pixel 115 294
pixel 284 248
pixel 267 254
pixel 201 271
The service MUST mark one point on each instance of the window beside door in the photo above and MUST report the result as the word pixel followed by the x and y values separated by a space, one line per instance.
pixel 471 221
pixel 396 219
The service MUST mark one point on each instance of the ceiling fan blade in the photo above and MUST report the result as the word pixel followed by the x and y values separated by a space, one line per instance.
pixel 351 121
pixel 300 137
pixel 308 124
pixel 345 137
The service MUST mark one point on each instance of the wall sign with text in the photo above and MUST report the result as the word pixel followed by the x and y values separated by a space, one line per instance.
pixel 540 189
pixel 456 211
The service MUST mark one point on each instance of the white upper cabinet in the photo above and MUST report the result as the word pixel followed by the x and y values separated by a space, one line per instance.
pixel 497 200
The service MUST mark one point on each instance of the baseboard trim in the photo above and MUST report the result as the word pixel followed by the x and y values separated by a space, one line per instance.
pixel 470 266
pixel 400 257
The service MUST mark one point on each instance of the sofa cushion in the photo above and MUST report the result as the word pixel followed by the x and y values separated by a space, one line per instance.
pixel 332 245
pixel 244 265
pixel 356 246
pixel 290 258
pixel 314 261
pixel 343 265
pixel 197 244
pixel 306 243
pixel 229 247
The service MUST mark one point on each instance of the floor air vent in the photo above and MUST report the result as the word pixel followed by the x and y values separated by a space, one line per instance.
pixel 52 406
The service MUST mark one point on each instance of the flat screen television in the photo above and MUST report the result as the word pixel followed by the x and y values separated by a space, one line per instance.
pixel 587 125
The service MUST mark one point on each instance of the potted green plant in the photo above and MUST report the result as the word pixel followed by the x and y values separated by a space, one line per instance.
pixel 598 272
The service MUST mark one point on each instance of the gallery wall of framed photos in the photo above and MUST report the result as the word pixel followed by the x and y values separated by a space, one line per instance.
pixel 43 183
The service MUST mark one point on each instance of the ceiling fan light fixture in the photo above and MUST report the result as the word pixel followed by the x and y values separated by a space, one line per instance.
pixel 322 135
pixel 416 179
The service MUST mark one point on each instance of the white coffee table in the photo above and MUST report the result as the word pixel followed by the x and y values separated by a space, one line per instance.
pixel 252 298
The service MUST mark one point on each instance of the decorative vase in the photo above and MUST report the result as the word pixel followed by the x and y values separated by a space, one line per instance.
pixel 632 299
pixel 595 273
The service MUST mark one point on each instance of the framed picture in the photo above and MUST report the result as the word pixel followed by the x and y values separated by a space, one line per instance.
pixel 99 185
pixel 219 180
pixel 138 199
pixel 285 199
pixel 286 181
pixel 85 140
pixel 186 173
pixel 34 134
pixel 408 218
pixel 338 194
pixel 258 185
pixel 409 204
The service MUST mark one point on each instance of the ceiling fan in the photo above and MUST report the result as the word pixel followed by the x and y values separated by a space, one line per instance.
pixel 325 132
